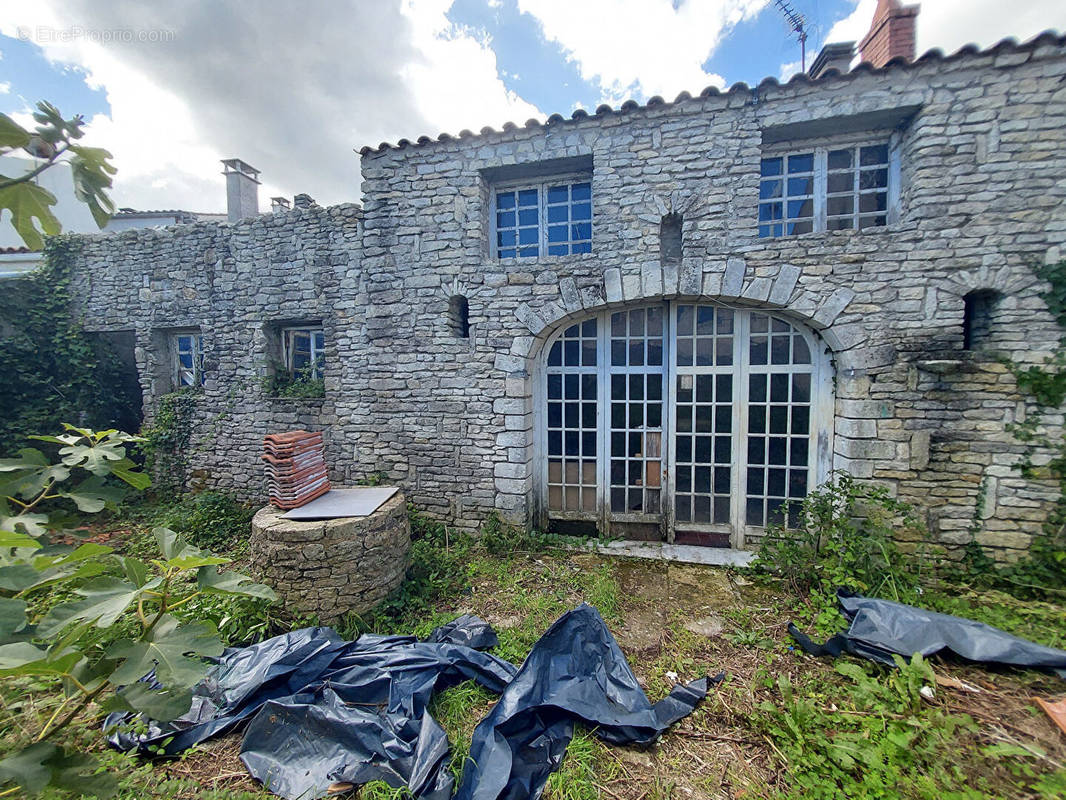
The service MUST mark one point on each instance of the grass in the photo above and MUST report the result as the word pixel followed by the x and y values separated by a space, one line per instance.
pixel 780 725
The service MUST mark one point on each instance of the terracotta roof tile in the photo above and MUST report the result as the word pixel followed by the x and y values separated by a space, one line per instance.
pixel 1045 38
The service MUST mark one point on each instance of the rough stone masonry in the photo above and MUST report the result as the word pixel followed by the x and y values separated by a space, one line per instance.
pixel 912 317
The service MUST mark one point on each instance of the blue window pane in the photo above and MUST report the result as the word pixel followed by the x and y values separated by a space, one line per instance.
pixel 556 233
pixel 505 219
pixel 526 252
pixel 558 249
pixel 300 360
pixel 527 236
pixel 558 194
pixel 769 189
pixel 527 197
pixel 582 230
pixel 185 343
pixel 557 214
pixel 320 340
pixel 582 211
pixel 800 186
pixel 771 166
pixel 800 208
pixel 527 216
pixel 505 239
pixel 582 247
pixel 581 191
pixel 509 253
pixel 801 163
pixel 185 359
pixel 505 200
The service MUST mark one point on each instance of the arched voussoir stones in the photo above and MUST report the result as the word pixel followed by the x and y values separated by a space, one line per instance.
pixel 728 280
pixel 1004 279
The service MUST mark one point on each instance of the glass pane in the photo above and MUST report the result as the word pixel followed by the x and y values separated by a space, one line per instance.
pixel 801 163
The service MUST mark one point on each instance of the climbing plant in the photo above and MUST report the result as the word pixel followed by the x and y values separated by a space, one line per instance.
pixel 166 442
pixel 1043 571
pixel 53 370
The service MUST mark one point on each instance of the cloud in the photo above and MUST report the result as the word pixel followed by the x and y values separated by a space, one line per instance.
pixel 950 24
pixel 641 47
pixel 5 87
pixel 292 91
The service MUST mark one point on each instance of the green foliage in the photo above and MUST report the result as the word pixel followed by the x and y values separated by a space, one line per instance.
pixel 1042 572
pixel 30 204
pixel 303 382
pixel 212 520
pixel 87 616
pixel 55 370
pixel 846 536
pixel 166 441
pixel 873 738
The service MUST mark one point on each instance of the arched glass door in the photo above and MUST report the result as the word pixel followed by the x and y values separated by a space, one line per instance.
pixel 693 423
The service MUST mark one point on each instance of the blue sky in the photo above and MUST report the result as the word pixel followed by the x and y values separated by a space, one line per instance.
pixel 171 88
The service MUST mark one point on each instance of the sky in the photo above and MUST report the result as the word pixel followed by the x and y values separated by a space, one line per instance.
pixel 295 89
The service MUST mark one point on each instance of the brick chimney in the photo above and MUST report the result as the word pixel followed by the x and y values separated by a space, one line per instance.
pixel 891 35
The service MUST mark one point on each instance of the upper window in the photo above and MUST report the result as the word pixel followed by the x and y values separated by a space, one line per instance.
pixel 187 351
pixel 553 217
pixel 304 352
pixel 824 189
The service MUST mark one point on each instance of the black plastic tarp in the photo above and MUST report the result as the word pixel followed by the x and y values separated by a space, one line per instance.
pixel 321 711
pixel 575 673
pixel 880 628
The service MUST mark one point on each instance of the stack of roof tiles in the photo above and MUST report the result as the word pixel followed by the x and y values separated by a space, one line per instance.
pixel 295 468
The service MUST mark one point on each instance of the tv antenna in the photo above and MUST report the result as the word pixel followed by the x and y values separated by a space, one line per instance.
pixel 798 23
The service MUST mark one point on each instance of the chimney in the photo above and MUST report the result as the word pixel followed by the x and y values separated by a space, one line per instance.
pixel 891 35
pixel 242 189
pixel 835 55
pixel 279 205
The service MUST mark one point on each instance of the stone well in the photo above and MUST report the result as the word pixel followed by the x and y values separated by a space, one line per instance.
pixel 332 566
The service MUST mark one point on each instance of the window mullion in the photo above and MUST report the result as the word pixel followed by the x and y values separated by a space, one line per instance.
pixel 820 183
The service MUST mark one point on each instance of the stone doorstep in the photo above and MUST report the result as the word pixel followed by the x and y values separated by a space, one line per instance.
pixel 684 553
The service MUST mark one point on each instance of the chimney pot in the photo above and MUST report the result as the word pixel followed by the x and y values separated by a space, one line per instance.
pixel 279 205
pixel 891 34
pixel 242 189
pixel 835 55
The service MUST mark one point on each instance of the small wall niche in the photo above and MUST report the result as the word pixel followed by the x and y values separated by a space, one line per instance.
pixel 670 239
pixel 459 316
pixel 978 311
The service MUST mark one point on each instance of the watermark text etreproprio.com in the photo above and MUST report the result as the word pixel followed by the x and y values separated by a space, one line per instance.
pixel 46 34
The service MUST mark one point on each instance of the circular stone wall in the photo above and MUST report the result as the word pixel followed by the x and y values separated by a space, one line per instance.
pixel 331 566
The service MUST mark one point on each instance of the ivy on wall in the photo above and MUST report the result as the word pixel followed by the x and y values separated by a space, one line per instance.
pixel 1043 571
pixel 53 371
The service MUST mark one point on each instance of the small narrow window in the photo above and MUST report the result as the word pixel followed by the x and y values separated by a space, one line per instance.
pixel 459 316
pixel 977 312
pixel 670 239
pixel 188 359
pixel 304 353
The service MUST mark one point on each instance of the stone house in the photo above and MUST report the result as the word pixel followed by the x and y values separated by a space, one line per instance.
pixel 657 322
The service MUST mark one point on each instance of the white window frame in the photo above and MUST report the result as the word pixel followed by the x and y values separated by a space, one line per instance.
pixel 177 371
pixel 541 185
pixel 821 148
pixel 741 534
pixel 289 351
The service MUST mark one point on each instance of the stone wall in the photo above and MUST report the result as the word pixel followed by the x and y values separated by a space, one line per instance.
pixel 982 142
pixel 332 567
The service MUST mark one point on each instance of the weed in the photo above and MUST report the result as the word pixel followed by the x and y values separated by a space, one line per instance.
pixel 212 520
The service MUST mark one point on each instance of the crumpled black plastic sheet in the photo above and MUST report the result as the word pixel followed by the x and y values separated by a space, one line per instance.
pixel 574 673
pixel 322 711
pixel 880 628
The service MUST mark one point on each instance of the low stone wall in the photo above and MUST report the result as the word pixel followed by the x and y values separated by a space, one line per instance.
pixel 333 566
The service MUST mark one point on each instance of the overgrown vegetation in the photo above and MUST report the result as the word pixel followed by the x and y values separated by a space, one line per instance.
pixel 166 442
pixel 847 535
pixel 87 622
pixel 55 371
pixel 304 382
pixel 211 520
